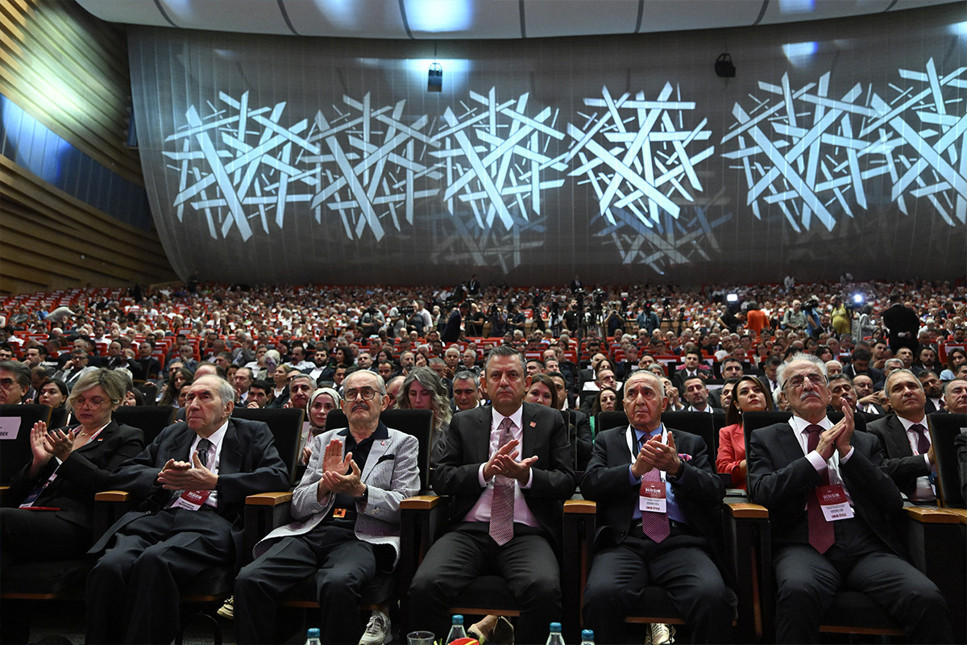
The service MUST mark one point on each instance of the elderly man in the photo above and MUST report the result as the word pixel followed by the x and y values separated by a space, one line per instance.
pixel 905 437
pixel 346 529
pixel 955 394
pixel 466 391
pixel 831 510
pixel 507 469
pixel 14 382
pixel 658 503
pixel 191 483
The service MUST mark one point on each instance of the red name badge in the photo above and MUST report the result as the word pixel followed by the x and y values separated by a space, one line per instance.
pixel 651 497
pixel 834 503
pixel 192 499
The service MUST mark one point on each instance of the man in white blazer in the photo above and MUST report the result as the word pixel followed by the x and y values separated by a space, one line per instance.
pixel 347 513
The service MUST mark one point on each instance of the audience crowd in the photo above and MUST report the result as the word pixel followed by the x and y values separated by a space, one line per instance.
pixel 862 348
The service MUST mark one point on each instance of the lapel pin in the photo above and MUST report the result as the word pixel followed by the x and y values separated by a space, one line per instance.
pixel 533 424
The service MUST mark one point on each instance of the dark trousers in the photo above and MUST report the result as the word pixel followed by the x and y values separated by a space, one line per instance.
pixel 807 582
pixel 680 565
pixel 341 564
pixel 133 591
pixel 40 535
pixel 527 563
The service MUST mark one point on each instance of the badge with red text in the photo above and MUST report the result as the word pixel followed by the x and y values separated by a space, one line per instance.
pixel 651 497
pixel 832 499
pixel 191 499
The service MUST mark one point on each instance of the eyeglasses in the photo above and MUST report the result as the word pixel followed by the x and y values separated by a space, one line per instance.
pixel 7 383
pixel 796 382
pixel 367 393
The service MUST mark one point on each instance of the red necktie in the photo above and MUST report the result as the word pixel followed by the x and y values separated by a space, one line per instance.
pixel 502 504
pixel 821 533
pixel 653 525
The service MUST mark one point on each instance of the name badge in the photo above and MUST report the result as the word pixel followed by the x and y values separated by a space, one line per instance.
pixel 651 497
pixel 191 500
pixel 832 499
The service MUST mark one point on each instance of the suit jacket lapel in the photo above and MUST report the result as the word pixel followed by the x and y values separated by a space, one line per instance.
pixel 231 455
pixel 790 444
pixel 481 435
pixel 898 437
pixel 106 433
pixel 376 451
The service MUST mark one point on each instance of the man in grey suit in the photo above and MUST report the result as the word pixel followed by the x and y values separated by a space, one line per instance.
pixel 831 510
pixel 507 469
pixel 905 437
pixel 347 514
pixel 193 481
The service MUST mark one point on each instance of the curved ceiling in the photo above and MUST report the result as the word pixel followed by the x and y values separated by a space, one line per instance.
pixel 477 19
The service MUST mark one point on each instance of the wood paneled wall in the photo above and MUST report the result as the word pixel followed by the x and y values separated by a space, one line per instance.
pixel 46 45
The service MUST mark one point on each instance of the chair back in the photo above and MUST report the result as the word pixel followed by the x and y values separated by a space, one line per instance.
pixel 752 421
pixel 15 424
pixel 418 423
pixel 149 419
pixel 286 426
pixel 697 423
pixel 607 420
pixel 943 429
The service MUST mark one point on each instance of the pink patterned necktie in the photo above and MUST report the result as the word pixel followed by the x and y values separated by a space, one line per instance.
pixel 821 533
pixel 502 504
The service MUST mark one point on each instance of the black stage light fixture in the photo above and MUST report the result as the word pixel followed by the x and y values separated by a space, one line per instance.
pixel 434 79
pixel 724 67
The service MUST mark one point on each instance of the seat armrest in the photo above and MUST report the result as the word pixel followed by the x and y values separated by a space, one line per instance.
pixel 109 506
pixel 749 558
pixel 577 541
pixel 931 515
pixel 420 503
pixel 114 496
pixel 422 520
pixel 263 513
pixel 268 499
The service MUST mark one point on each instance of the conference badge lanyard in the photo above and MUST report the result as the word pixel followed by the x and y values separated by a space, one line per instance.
pixel 651 494
pixel 191 500
pixel 833 502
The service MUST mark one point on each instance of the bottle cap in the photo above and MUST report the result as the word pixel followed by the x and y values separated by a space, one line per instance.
pixel 555 627
pixel 587 635
pixel 457 619
pixel 313 632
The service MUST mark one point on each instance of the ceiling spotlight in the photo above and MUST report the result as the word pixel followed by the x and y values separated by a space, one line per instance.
pixel 724 67
pixel 434 79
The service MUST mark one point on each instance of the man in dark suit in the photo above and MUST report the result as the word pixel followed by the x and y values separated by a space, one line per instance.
pixel 692 367
pixel 696 394
pixel 671 542
pixel 578 424
pixel 903 324
pixel 193 480
pixel 148 367
pixel 860 364
pixel 507 470
pixel 905 438
pixel 795 465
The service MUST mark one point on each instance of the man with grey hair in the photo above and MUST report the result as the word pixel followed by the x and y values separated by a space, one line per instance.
pixel 466 390
pixel 347 513
pixel 955 394
pixel 831 509
pixel 190 485
pixel 891 364
pixel 905 438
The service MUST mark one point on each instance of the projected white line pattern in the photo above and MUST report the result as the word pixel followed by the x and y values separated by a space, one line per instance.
pixel 246 159
pixel 374 164
pixel 798 151
pixel 493 156
pixel 933 161
pixel 638 154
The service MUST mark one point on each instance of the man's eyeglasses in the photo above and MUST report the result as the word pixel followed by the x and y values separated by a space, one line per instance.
pixel 796 382
pixel 367 393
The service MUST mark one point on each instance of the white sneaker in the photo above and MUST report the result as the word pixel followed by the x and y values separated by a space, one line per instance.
pixel 378 630
pixel 662 634
pixel 227 610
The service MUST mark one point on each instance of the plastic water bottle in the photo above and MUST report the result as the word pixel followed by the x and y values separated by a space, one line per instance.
pixel 555 638
pixel 312 636
pixel 587 637
pixel 456 629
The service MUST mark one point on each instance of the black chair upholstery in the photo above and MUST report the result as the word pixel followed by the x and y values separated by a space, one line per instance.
pixel 15 450
pixel 150 419
pixel 286 426
pixel 943 429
